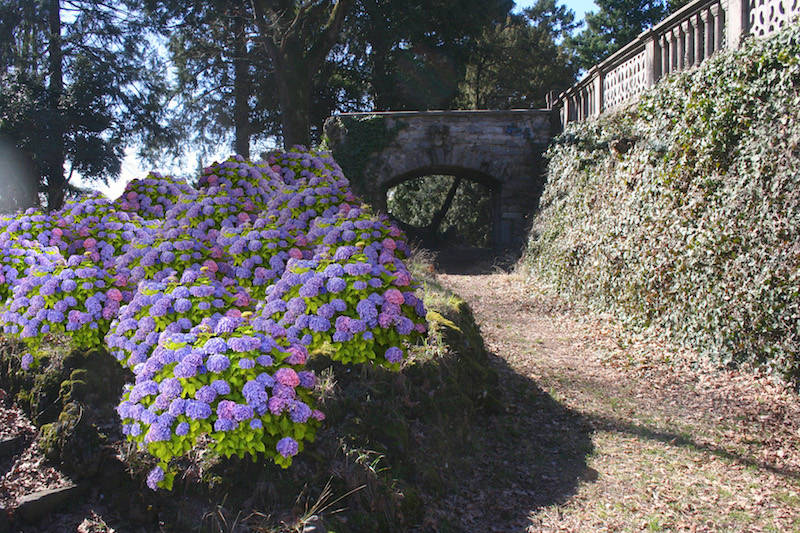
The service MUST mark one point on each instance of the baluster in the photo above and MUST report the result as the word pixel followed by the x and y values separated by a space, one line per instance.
pixel 652 61
pixel 688 36
pixel 708 38
pixel 664 43
pixel 716 15
pixel 698 24
pixel 599 96
pixel 719 30
pixel 676 50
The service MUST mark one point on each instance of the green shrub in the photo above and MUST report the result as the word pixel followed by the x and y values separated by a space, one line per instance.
pixel 681 211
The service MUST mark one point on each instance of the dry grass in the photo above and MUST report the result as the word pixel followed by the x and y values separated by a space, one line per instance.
pixel 678 445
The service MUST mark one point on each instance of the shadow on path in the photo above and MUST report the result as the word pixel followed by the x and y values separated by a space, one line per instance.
pixel 475 261
pixel 617 425
pixel 530 455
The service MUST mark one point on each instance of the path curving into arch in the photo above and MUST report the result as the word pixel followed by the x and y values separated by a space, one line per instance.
pixel 654 441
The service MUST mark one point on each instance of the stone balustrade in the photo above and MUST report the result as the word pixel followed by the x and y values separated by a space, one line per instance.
pixel 680 42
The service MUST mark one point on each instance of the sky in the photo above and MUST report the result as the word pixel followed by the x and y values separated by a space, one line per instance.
pixel 132 168
pixel 580 7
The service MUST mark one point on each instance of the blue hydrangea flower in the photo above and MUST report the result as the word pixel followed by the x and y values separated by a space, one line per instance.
pixel 218 363
pixel 287 447
pixel 155 476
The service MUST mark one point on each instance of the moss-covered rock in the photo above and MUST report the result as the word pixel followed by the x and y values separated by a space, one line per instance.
pixel 72 398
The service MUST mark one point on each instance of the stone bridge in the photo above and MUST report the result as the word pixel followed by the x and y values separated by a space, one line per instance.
pixel 500 149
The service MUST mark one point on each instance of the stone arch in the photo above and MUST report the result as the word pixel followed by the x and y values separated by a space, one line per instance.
pixel 500 147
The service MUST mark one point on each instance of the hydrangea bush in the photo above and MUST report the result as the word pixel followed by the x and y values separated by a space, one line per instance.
pixel 215 298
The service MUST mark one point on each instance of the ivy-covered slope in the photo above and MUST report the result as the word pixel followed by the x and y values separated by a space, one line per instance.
pixel 683 210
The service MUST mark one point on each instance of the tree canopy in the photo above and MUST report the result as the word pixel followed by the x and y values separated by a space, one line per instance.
pixel 179 76
pixel 79 82
pixel 612 26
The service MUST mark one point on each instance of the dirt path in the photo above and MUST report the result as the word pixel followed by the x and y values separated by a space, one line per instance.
pixel 601 434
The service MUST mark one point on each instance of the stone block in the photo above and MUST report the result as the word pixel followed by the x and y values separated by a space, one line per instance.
pixel 34 507
pixel 11 446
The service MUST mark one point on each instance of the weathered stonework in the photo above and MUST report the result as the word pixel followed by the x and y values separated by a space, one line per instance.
pixel 501 149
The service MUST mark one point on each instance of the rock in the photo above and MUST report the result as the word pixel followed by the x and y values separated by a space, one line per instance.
pixel 34 507
pixel 11 445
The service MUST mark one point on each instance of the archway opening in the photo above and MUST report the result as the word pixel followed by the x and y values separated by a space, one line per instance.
pixel 446 207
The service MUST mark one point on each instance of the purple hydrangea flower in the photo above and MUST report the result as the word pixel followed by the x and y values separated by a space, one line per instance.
pixel 218 363
pixel 307 379
pixel 278 405
pixel 182 305
pixel 264 360
pixel 197 410
pixel 177 407
pixel 224 424
pixel 299 412
pixel 394 355
pixel 287 447
pixel 225 325
pixel 215 345
pixel 158 433
pixel 242 412
pixel 319 324
pixel 206 394
pixel 155 476
pixel 221 386
pixel 336 285
pixel 366 310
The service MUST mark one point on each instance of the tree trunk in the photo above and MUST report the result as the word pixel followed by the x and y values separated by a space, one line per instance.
pixel 55 160
pixel 294 91
pixel 478 72
pixel 438 218
pixel 241 88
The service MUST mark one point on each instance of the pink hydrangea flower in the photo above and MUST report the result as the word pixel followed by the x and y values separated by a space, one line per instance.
pixel 287 376
pixel 295 253
pixel 394 296
pixel 402 279
pixel 297 355
pixel 114 295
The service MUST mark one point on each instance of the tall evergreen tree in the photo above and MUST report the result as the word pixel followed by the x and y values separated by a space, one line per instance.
pixel 101 88
pixel 414 53
pixel 614 25
pixel 516 62
pixel 298 36
pixel 222 74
